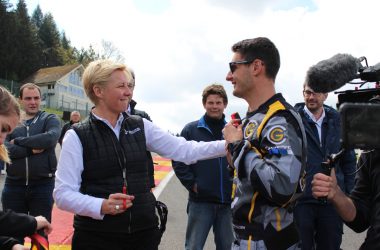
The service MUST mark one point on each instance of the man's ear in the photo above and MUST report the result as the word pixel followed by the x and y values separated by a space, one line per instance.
pixel 257 65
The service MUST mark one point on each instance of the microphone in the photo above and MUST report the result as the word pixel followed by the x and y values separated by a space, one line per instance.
pixel 331 74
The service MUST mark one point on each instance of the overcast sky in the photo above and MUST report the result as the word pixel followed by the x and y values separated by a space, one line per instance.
pixel 177 47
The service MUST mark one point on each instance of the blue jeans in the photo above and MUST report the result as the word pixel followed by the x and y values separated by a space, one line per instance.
pixel 320 226
pixel 35 199
pixel 201 217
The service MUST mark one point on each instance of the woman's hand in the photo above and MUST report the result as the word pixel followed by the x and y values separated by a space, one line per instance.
pixel 115 203
pixel 231 133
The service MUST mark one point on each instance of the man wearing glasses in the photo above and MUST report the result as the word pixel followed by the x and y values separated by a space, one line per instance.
pixel 319 223
pixel 268 151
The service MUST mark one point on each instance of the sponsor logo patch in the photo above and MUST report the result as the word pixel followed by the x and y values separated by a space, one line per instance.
pixel 250 129
pixel 276 135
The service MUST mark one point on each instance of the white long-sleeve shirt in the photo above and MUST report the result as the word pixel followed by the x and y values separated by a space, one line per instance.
pixel 70 166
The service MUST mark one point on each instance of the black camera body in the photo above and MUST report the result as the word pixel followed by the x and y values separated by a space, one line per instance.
pixel 370 74
pixel 360 112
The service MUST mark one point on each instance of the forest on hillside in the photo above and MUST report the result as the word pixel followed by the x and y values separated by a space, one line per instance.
pixel 28 43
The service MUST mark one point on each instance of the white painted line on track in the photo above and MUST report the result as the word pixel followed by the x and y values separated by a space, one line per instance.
pixel 158 190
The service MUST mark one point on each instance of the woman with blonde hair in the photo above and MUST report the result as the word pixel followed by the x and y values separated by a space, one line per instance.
pixel 13 224
pixel 102 174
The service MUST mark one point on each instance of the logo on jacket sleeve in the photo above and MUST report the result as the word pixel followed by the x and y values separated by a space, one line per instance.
pixel 250 129
pixel 276 135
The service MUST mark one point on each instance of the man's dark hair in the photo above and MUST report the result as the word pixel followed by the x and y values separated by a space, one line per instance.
pixel 260 48
pixel 214 89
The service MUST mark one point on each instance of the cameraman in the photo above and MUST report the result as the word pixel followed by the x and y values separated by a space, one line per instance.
pixel 361 209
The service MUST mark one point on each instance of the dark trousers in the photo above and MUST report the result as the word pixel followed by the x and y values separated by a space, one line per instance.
pixel 34 199
pixel 320 226
pixel 91 240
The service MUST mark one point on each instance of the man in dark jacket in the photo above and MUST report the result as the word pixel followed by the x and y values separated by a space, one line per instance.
pixel 30 177
pixel 74 118
pixel 319 224
pixel 208 182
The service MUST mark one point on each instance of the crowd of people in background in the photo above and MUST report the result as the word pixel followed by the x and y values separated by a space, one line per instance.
pixel 258 182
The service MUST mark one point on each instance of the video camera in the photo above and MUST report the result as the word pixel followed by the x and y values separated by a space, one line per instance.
pixel 360 110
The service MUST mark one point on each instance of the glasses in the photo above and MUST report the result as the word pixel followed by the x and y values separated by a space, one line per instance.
pixel 308 93
pixel 233 65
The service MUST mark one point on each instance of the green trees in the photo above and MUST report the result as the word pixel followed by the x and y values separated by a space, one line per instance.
pixel 27 57
pixel 30 43
pixel 7 50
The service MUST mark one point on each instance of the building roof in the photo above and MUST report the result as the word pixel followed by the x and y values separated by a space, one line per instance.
pixel 52 74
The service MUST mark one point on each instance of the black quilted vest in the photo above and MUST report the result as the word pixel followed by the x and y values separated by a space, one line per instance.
pixel 103 158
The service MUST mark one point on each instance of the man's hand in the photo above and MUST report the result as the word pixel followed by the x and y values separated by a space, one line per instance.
pixel 114 204
pixel 43 223
pixel 324 185
pixel 37 151
pixel 195 188
pixel 232 133
pixel 19 247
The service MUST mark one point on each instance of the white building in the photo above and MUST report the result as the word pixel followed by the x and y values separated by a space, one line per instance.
pixel 61 88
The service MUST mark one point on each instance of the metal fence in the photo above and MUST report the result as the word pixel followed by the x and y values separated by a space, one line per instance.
pixel 12 86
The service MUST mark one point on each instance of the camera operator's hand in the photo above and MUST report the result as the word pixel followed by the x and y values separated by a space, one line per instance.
pixel 324 185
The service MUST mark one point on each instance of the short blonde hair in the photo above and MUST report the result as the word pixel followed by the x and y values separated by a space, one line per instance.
pixel 98 73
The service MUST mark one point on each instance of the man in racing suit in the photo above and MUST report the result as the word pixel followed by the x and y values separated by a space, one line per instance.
pixel 268 152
